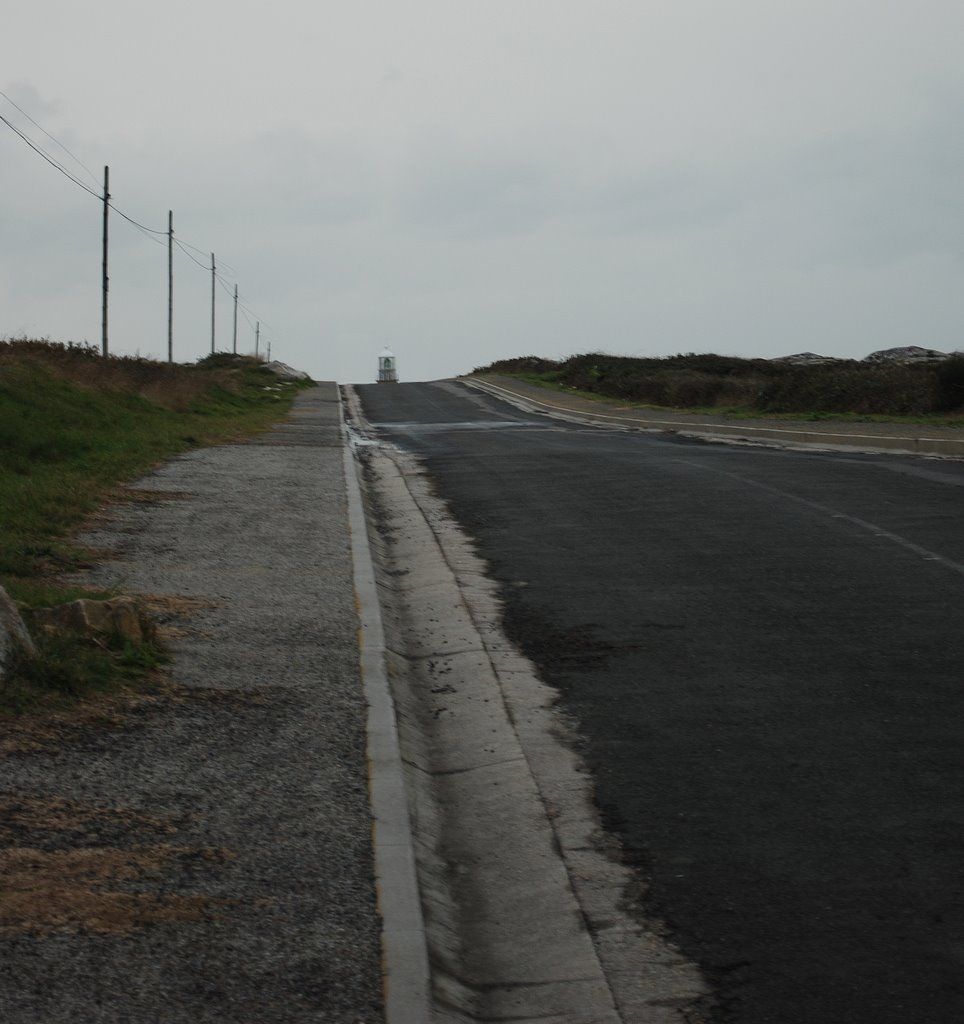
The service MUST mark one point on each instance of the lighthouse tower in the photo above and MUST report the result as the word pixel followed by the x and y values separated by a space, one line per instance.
pixel 386 368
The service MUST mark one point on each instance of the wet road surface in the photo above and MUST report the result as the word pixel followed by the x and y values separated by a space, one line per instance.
pixel 763 650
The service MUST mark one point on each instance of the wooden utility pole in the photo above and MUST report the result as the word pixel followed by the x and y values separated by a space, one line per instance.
pixel 257 338
pixel 235 346
pixel 170 286
pixel 103 316
pixel 213 283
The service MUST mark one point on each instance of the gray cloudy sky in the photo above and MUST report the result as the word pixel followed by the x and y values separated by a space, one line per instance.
pixel 465 181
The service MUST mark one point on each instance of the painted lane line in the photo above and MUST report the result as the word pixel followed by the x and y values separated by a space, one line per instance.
pixel 878 531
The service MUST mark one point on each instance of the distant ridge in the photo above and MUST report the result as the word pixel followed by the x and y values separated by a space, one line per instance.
pixel 805 359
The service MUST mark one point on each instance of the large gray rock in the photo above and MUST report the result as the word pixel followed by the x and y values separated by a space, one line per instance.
pixel 906 354
pixel 805 359
pixel 285 372
pixel 84 617
pixel 13 633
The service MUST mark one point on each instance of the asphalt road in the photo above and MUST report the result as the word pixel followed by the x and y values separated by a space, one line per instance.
pixel 763 650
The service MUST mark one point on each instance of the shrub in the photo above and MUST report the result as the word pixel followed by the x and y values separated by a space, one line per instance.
pixel 868 389
pixel 700 380
pixel 949 384
pixel 521 364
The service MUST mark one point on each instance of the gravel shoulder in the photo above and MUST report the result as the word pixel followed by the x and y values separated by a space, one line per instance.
pixel 202 853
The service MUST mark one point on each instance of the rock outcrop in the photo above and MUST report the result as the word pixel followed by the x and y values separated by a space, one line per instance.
pixel 121 616
pixel 805 359
pixel 13 633
pixel 906 354
pixel 285 372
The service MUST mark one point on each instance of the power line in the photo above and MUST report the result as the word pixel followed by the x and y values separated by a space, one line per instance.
pixel 137 224
pixel 244 313
pixel 76 159
pixel 185 246
pixel 194 259
pixel 223 284
pixel 63 170
pixel 154 234
pixel 255 315
pixel 50 160
pixel 244 309
pixel 205 253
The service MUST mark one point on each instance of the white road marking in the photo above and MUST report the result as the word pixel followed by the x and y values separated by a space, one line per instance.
pixel 874 528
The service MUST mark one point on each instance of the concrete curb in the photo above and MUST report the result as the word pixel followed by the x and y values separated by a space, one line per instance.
pixel 900 445
pixel 405 966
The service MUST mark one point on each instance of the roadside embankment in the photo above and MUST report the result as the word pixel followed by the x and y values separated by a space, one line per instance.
pixel 904 438
pixel 74 429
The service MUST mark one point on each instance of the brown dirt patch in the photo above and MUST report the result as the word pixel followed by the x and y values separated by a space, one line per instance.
pixel 147 496
pixel 177 604
pixel 55 880
pixel 19 813
pixel 78 890
pixel 122 495
pixel 54 729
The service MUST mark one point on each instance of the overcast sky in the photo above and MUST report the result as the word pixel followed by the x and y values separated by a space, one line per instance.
pixel 466 181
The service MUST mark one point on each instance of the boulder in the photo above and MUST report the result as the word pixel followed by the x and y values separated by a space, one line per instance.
pixel 285 372
pixel 13 633
pixel 906 354
pixel 805 359
pixel 85 617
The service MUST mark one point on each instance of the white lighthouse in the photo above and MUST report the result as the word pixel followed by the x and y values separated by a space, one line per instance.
pixel 386 367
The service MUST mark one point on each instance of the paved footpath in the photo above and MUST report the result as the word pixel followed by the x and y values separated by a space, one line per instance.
pixel 208 850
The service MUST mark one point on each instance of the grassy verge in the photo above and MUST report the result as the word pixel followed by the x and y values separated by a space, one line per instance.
pixel 73 427
pixel 930 393
pixel 738 412
pixel 66 669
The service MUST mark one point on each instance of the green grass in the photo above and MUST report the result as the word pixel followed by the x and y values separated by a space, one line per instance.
pixel 67 669
pixel 746 413
pixel 73 427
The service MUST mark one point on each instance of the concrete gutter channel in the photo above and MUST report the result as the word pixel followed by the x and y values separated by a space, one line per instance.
pixel 519 908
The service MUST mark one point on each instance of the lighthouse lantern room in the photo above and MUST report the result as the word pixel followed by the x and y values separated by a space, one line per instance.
pixel 386 368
